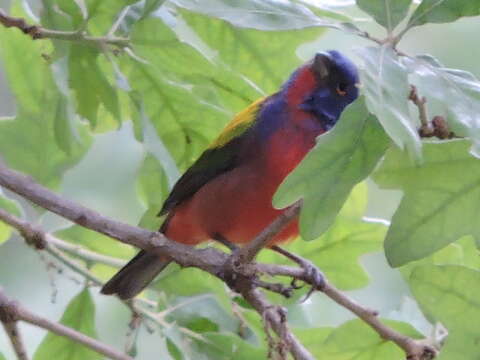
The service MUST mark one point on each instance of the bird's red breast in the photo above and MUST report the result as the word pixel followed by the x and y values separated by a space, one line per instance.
pixel 238 204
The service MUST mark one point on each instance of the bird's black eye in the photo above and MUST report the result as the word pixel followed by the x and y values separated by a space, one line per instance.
pixel 342 89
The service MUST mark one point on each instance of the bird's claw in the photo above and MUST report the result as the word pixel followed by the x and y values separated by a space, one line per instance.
pixel 313 276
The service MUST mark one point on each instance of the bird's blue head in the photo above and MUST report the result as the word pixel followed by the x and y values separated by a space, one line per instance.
pixel 324 86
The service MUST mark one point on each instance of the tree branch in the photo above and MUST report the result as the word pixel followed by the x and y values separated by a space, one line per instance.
pixel 214 262
pixel 208 259
pixel 9 322
pixel 17 312
pixel 39 32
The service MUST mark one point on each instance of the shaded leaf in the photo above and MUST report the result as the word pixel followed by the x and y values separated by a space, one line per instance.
pixel 387 89
pixel 227 346
pixel 260 15
pixel 28 142
pixel 79 315
pixel 387 13
pixel 263 58
pixel 152 189
pixel 456 90
pixel 90 85
pixel 94 241
pixel 341 158
pixel 356 340
pixel 442 11
pixel 440 199
pixel 9 205
pixel 450 294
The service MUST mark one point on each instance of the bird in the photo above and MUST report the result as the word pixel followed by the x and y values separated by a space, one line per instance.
pixel 226 194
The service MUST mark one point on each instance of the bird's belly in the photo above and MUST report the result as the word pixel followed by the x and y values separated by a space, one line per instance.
pixel 236 205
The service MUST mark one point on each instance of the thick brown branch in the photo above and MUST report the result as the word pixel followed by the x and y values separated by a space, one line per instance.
pixel 208 259
pixel 18 312
pixel 38 32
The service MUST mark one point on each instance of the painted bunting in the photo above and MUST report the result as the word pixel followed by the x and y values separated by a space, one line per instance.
pixel 227 193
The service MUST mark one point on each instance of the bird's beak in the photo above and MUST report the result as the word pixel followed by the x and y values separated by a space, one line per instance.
pixel 358 85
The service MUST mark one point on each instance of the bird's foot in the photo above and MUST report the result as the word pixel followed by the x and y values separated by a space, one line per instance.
pixel 312 275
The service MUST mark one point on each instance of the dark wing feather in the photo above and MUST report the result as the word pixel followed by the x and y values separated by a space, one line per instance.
pixel 210 164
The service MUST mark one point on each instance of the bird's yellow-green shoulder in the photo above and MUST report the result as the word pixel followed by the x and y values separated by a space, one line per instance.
pixel 238 125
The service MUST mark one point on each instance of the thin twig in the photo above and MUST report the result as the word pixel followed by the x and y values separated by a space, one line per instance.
pixel 39 32
pixel 18 312
pixel 248 252
pixel 414 349
pixel 9 320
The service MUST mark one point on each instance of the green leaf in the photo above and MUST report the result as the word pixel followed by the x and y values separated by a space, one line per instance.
pixel 96 242
pixel 226 346
pixel 341 158
pixel 79 315
pixel 202 313
pixel 450 295
pixel 456 90
pixel 387 13
pixel 261 15
pixel 28 142
pixel 356 340
pixel 11 206
pixel 387 89
pixel 338 251
pixel 442 11
pixel 440 199
pixel 152 189
pixel 90 85
pixel 264 58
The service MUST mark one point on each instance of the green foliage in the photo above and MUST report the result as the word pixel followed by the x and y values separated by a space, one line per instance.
pixel 79 315
pixel 439 202
pixel 450 294
pixel 387 13
pixel 345 155
pixel 356 340
pixel 385 82
pixel 188 68
pixel 435 11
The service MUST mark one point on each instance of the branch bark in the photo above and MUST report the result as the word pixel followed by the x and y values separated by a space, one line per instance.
pixel 17 312
pixel 39 32
pixel 9 322
pixel 214 262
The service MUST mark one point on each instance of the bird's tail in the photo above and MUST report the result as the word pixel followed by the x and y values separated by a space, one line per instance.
pixel 136 275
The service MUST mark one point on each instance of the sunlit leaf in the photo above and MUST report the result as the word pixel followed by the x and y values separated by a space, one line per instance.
pixel 450 294
pixel 385 82
pixel 79 315
pixel 440 199
pixel 90 85
pixel 387 13
pixel 341 158
pixel 442 11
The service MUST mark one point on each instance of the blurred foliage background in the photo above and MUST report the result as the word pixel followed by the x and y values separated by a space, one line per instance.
pixel 112 128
